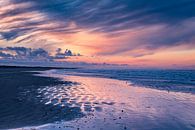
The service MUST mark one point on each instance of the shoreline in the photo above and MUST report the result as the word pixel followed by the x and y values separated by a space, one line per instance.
pixel 35 67
pixel 20 103
pixel 116 105
pixel 189 90
pixel 101 103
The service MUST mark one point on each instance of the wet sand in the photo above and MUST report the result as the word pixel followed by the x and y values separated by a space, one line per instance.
pixel 109 104
pixel 20 105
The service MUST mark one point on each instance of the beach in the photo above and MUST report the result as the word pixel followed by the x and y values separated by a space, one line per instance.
pixel 19 104
pixel 97 64
pixel 84 102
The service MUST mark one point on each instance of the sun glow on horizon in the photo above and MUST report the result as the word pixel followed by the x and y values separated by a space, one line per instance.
pixel 117 34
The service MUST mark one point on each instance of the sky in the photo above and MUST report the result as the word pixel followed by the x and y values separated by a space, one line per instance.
pixel 141 33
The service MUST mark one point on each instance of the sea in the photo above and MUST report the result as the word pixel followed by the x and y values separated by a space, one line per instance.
pixel 163 79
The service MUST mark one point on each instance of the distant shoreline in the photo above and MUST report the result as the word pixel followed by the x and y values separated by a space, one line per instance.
pixel 36 67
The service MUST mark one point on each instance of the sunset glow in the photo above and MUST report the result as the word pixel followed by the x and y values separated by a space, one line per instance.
pixel 121 32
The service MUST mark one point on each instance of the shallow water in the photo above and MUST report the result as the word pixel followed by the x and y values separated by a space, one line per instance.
pixel 171 80
pixel 110 104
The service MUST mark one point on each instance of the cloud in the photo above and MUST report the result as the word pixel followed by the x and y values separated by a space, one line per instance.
pixel 22 53
pixel 4 55
pixel 111 15
pixel 157 24
pixel 66 54
pixel 150 39
pixel 29 54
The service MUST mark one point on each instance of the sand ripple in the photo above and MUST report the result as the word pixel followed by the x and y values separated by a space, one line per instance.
pixel 115 105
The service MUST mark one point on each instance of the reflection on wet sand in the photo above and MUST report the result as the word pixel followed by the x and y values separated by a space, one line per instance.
pixel 113 105
pixel 21 106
